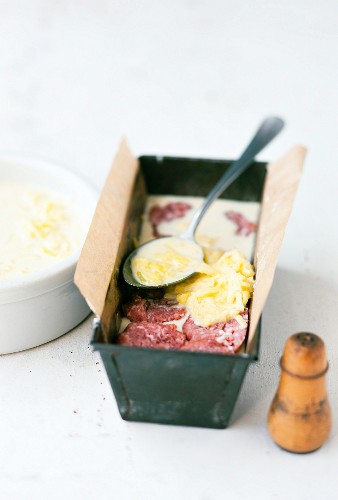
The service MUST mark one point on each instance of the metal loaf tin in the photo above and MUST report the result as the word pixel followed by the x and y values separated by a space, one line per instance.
pixel 180 387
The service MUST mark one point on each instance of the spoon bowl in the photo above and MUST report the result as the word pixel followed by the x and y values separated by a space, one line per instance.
pixel 128 273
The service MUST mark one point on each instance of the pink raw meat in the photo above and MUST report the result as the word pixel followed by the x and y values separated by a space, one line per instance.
pixel 167 213
pixel 244 226
pixel 229 335
pixel 153 310
pixel 152 335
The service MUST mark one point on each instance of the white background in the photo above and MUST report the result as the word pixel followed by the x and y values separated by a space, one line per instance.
pixel 182 77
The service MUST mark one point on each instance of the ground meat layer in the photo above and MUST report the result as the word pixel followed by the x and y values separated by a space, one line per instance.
pixel 153 311
pixel 152 335
pixel 148 328
pixel 221 337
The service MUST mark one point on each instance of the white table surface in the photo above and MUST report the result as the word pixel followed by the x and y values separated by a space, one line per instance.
pixel 182 77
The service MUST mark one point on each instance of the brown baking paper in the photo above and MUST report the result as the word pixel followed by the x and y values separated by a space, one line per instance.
pixel 117 218
pixel 110 238
pixel 280 188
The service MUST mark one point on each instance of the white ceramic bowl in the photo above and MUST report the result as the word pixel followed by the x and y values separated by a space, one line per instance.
pixel 42 306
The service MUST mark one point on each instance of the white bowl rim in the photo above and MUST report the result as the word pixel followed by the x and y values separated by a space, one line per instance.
pixel 13 290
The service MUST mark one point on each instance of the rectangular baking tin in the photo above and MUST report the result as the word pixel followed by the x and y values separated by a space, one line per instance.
pixel 181 387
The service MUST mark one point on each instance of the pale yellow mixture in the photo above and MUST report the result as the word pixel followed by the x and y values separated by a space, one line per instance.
pixel 165 260
pixel 38 227
pixel 219 293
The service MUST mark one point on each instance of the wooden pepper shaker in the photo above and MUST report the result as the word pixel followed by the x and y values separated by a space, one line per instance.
pixel 299 419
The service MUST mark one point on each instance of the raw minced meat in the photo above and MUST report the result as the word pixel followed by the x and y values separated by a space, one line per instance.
pixel 136 310
pixel 162 336
pixel 229 335
pixel 149 328
pixel 153 311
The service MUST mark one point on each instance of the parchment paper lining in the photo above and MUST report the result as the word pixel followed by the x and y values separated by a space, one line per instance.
pixel 110 238
pixel 280 188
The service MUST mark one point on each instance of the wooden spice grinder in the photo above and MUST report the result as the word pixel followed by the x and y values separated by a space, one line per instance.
pixel 299 419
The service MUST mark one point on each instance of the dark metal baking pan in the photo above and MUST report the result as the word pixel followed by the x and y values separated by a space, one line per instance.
pixel 180 387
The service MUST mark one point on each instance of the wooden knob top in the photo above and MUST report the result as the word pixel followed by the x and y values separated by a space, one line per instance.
pixel 304 355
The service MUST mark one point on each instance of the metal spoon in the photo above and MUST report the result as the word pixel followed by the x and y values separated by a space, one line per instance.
pixel 267 131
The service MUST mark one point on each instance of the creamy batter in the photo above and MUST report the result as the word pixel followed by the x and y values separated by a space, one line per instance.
pixel 38 227
pixel 216 230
